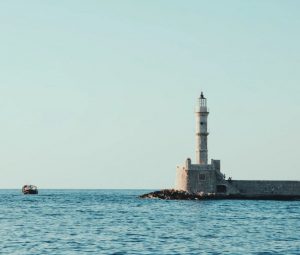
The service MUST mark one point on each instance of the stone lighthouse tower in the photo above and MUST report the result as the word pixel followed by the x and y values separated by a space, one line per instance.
pixel 201 176
pixel 201 131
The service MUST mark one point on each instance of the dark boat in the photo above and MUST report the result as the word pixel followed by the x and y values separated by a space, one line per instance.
pixel 29 189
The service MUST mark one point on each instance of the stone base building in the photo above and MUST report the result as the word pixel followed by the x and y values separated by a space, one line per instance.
pixel 202 177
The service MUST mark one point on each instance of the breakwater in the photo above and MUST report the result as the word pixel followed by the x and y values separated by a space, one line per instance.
pixel 172 194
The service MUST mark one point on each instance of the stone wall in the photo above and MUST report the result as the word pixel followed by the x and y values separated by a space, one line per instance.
pixel 195 181
pixel 181 178
pixel 267 187
pixel 201 181
pixel 205 178
pixel 208 178
pixel 196 178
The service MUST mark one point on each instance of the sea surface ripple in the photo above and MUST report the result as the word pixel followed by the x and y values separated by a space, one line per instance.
pixel 118 222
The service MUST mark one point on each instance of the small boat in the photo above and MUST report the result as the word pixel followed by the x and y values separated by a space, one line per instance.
pixel 29 189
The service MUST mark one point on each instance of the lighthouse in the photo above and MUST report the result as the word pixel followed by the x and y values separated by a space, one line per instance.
pixel 201 175
pixel 201 113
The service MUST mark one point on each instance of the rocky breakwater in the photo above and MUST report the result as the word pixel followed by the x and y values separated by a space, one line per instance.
pixel 172 194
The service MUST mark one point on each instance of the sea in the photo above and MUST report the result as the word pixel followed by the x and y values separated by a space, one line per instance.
pixel 119 222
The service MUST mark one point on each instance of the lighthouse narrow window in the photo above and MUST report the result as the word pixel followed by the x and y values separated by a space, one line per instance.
pixel 201 177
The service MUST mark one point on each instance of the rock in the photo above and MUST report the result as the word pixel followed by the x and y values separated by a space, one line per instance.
pixel 172 194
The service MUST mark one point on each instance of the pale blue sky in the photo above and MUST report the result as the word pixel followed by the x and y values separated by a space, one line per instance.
pixel 100 94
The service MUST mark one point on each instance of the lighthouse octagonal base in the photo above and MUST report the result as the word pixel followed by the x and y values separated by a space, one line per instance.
pixel 195 178
pixel 194 181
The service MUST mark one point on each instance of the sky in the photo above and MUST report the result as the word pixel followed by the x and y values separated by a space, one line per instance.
pixel 101 94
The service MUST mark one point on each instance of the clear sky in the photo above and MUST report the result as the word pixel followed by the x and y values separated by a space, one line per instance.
pixel 101 94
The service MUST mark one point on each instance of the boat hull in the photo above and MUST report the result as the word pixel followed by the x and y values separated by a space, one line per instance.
pixel 29 190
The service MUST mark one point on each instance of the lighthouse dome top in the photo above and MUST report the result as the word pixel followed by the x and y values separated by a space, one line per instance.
pixel 202 96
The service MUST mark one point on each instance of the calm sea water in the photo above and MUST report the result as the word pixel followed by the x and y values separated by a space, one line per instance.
pixel 118 222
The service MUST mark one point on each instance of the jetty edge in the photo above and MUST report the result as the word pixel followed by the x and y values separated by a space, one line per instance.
pixel 173 194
